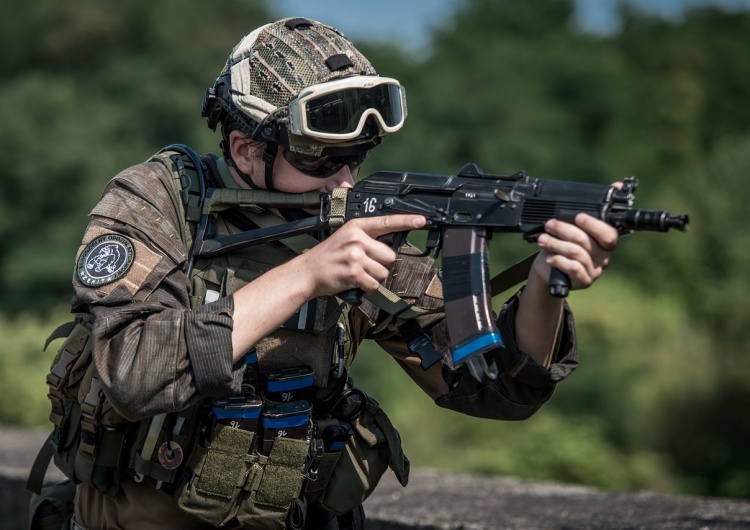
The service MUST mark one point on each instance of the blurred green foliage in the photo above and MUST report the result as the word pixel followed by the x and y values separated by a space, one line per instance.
pixel 89 88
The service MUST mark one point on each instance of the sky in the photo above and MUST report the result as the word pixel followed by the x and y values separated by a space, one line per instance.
pixel 411 20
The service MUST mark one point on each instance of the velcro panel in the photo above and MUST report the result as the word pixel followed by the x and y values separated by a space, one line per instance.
pixel 282 480
pixel 338 62
pixel 224 468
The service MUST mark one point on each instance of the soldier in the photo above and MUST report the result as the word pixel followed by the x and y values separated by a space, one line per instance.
pixel 215 392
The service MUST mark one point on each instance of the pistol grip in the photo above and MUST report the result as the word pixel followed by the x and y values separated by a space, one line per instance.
pixel 393 240
pixel 559 283
pixel 352 296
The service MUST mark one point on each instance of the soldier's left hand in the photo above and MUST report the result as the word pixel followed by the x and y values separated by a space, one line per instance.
pixel 582 249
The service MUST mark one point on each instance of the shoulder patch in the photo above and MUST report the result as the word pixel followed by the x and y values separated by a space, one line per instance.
pixel 105 259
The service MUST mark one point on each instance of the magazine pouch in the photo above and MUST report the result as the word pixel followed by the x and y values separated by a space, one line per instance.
pixel 232 481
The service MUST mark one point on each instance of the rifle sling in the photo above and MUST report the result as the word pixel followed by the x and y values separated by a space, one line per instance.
pixel 512 276
pixel 299 243
pixel 39 468
pixel 394 305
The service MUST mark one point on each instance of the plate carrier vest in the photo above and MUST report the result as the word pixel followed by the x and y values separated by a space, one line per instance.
pixel 215 469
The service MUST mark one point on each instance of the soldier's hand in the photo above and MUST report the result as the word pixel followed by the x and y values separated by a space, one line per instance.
pixel 582 249
pixel 352 257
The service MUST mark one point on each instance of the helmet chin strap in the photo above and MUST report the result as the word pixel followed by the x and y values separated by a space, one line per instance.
pixel 269 157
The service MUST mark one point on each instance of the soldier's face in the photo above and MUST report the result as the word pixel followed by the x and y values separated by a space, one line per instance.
pixel 286 178
pixel 289 179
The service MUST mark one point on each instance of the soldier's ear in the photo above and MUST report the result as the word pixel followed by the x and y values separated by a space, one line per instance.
pixel 243 151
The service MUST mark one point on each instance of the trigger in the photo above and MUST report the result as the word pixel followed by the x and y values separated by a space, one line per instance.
pixel 394 240
pixel 398 239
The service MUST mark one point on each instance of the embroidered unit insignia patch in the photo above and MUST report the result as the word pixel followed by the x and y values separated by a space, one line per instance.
pixel 105 260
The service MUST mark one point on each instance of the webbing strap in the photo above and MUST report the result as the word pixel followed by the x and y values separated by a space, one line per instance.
pixel 65 330
pixel 39 468
pixel 61 331
pixel 90 413
pixel 392 304
pixel 337 214
pixel 186 174
pixel 225 198
pixel 299 243
pixel 511 276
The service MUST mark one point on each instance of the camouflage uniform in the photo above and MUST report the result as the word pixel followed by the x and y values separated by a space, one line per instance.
pixel 160 339
pixel 155 355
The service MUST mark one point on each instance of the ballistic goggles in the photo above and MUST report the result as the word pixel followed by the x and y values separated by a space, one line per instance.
pixel 338 110
pixel 323 166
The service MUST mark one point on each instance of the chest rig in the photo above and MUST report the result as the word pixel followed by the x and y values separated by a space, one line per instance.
pixel 298 432
pixel 285 426
pixel 318 334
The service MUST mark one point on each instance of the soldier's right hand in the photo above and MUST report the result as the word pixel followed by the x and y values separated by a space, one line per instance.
pixel 352 257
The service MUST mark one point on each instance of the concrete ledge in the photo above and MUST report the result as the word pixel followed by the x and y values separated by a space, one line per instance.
pixel 436 500
pixel 19 449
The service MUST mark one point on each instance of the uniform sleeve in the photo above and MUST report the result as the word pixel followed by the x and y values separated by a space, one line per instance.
pixel 522 385
pixel 153 353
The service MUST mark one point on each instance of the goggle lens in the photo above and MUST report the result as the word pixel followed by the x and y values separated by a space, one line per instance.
pixel 322 166
pixel 340 112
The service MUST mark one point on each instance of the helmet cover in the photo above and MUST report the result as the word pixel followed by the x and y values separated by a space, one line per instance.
pixel 270 66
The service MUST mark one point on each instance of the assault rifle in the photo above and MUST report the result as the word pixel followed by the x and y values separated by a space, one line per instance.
pixel 462 212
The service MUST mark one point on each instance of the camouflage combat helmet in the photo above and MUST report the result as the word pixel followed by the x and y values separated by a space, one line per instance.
pixel 283 85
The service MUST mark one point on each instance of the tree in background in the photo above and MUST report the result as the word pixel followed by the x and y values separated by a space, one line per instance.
pixel 515 86
pixel 88 89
